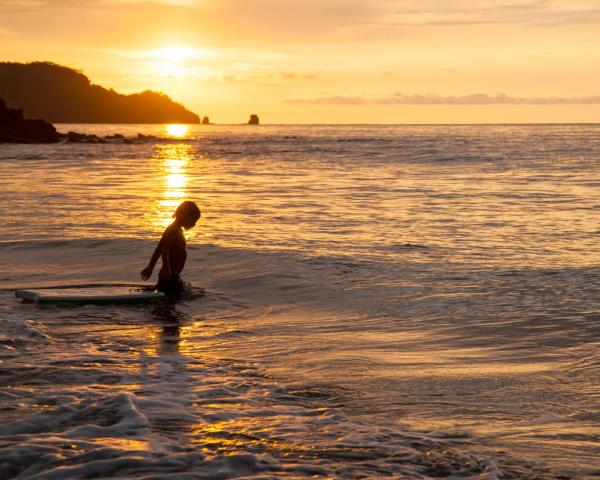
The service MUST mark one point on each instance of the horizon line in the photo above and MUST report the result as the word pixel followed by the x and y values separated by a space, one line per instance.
pixel 332 124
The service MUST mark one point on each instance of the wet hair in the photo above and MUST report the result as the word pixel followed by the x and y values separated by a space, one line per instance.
pixel 188 210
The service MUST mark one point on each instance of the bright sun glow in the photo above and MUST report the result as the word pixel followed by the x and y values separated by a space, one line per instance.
pixel 177 130
pixel 175 53
pixel 171 61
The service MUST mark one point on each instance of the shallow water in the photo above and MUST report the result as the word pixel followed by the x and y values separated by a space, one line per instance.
pixel 412 302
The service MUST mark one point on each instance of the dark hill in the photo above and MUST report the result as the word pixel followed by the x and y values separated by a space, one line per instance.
pixel 63 95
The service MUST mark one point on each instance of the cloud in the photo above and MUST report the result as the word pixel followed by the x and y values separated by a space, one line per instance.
pixel 174 3
pixel 23 4
pixel 215 22
pixel 297 76
pixel 278 23
pixel 473 99
pixel 438 13
pixel 331 100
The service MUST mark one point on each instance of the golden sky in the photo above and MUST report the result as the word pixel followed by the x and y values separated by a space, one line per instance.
pixel 334 61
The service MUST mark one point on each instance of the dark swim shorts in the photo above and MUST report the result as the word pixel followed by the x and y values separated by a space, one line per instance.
pixel 170 286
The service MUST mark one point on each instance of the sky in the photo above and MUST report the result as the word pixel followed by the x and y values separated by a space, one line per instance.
pixel 334 61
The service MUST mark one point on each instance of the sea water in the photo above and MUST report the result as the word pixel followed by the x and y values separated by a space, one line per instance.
pixel 368 301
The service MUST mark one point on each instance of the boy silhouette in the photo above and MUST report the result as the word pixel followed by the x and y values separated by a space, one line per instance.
pixel 171 248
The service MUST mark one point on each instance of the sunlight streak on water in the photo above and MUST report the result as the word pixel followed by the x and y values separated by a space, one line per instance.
pixel 175 159
pixel 177 130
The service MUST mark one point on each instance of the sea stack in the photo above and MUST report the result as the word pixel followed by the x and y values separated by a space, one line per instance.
pixel 205 121
pixel 16 129
pixel 253 119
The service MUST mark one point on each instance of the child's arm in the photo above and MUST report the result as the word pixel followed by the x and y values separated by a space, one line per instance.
pixel 147 272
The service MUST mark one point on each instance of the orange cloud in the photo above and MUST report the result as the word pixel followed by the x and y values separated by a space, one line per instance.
pixel 473 99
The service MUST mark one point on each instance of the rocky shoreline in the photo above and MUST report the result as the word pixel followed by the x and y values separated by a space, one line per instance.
pixel 14 128
pixel 75 137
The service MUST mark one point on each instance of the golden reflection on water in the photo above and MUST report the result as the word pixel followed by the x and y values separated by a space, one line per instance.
pixel 177 130
pixel 244 434
pixel 175 159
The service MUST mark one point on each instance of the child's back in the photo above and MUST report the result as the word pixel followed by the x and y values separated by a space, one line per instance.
pixel 172 250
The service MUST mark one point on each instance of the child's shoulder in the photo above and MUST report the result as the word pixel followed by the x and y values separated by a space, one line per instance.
pixel 171 230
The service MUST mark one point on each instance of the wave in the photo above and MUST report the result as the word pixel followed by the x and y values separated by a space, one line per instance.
pixel 63 243
pixel 139 416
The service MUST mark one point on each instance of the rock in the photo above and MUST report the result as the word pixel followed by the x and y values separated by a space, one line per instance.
pixel 74 137
pixel 253 119
pixel 141 136
pixel 205 121
pixel 16 129
pixel 115 138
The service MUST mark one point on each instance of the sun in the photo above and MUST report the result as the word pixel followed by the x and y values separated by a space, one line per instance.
pixel 173 60
pixel 175 53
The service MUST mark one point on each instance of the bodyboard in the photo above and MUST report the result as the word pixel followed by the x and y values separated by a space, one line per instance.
pixel 91 295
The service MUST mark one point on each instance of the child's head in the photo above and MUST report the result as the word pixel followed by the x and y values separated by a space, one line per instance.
pixel 187 213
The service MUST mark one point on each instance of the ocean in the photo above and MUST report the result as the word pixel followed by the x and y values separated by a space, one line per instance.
pixel 411 302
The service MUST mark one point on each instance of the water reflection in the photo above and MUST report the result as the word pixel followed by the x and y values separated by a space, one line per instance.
pixel 175 160
pixel 170 318
pixel 177 130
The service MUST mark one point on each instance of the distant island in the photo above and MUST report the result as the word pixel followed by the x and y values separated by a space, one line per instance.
pixel 60 94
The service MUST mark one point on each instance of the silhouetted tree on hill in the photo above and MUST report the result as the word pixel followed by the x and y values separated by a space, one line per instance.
pixel 62 95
